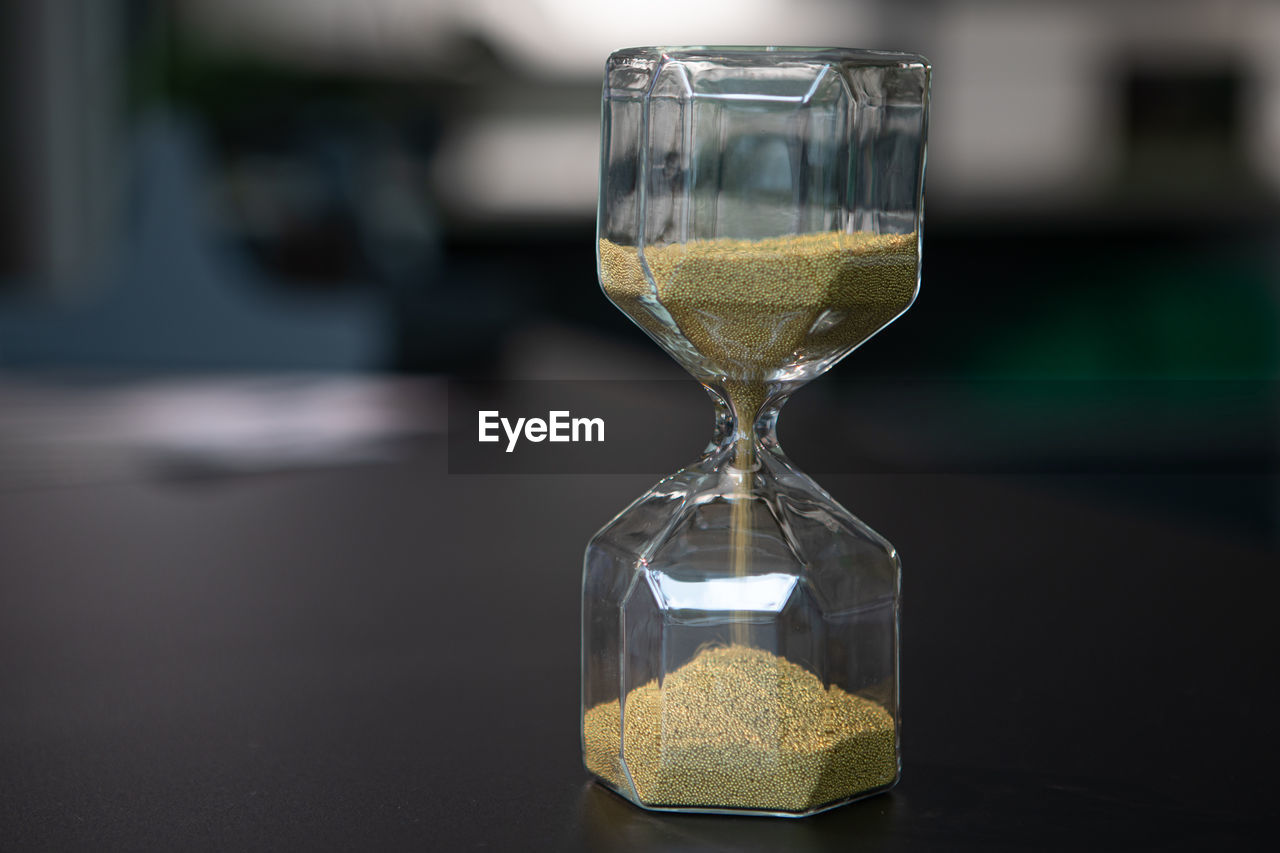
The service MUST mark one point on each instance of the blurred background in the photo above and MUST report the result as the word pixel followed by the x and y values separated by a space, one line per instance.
pixel 269 219
pixel 245 246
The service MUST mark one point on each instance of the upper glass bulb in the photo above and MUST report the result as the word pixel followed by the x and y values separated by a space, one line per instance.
pixel 760 207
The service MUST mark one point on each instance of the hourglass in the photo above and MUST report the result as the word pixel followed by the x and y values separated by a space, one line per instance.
pixel 759 217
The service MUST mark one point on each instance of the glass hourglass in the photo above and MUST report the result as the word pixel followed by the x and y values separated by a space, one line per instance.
pixel 759 217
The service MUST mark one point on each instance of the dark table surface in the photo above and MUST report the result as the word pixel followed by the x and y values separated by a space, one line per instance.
pixel 384 656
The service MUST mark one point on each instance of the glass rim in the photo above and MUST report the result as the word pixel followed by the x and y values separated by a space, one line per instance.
pixel 852 55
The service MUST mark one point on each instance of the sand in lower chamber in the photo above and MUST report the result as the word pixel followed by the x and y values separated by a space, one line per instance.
pixel 738 727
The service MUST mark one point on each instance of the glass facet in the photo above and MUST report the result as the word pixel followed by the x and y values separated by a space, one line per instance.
pixel 759 217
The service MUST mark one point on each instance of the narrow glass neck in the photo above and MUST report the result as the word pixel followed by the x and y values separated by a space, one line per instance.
pixel 746 421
